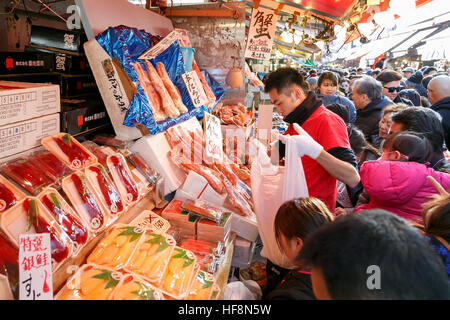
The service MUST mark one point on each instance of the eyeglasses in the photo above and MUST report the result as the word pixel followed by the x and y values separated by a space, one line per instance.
pixel 392 89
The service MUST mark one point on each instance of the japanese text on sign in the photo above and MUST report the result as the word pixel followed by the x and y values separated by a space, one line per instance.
pixel 213 137
pixel 195 89
pixel 35 267
pixel 261 34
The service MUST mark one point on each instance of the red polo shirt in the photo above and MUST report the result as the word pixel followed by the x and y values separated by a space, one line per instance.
pixel 330 131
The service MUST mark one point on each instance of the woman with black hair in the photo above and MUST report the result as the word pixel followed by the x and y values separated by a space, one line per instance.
pixel 294 222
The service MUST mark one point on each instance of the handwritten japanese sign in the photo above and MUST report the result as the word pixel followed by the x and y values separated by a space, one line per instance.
pixel 261 34
pixel 35 267
pixel 213 137
pixel 163 45
pixel 195 89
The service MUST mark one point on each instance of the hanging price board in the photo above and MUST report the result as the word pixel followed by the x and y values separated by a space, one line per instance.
pixel 261 34
pixel 35 267
pixel 213 137
pixel 195 89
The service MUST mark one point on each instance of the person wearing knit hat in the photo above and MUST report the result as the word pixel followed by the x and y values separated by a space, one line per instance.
pixel 415 82
pixel 429 71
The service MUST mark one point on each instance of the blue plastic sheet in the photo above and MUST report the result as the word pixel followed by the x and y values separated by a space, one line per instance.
pixel 188 57
pixel 127 44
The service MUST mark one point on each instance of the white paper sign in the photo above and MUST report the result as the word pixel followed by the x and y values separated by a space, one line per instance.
pixel 162 45
pixel 264 123
pixel 213 137
pixel 261 34
pixel 195 89
pixel 35 267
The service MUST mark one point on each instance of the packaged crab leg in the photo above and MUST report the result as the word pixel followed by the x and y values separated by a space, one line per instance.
pixel 153 98
pixel 26 175
pixel 122 177
pixel 109 195
pixel 9 195
pixel 170 87
pixel 150 174
pixel 66 218
pixel 84 202
pixel 166 101
pixel 69 150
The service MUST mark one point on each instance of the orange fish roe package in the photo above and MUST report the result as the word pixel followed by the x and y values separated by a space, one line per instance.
pixel 90 282
pixel 202 286
pixel 134 287
pixel 152 255
pixel 116 248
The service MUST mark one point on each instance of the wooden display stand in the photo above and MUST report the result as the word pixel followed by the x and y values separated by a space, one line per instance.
pixel 69 266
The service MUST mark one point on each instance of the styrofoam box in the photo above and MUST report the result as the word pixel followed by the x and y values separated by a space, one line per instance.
pixel 21 101
pixel 243 253
pixel 196 187
pixel 21 136
pixel 244 227
pixel 154 149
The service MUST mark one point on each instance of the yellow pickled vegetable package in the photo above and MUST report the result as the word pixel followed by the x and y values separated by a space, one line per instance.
pixel 152 255
pixel 117 247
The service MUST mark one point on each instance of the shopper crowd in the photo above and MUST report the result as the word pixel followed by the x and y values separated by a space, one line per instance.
pixel 373 145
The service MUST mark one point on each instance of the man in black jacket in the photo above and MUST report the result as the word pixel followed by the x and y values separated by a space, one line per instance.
pixel 390 80
pixel 439 96
pixel 369 101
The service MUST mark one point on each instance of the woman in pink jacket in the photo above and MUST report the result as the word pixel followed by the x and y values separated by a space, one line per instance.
pixel 397 182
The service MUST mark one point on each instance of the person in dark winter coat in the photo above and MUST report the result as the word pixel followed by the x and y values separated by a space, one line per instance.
pixel 439 96
pixel 294 222
pixel 369 102
pixel 390 80
pixel 415 82
pixel 410 95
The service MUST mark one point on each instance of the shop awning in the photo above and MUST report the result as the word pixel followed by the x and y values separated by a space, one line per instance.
pixel 386 44
pixel 402 48
pixel 436 47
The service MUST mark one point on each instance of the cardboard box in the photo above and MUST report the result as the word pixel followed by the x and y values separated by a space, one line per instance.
pixel 63 62
pixel 243 253
pixel 21 136
pixel 21 101
pixel 244 227
pixel 81 115
pixel 25 62
pixel 76 86
pixel 40 78
pixel 56 38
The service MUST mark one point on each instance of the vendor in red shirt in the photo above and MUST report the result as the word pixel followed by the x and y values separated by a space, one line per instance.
pixel 323 143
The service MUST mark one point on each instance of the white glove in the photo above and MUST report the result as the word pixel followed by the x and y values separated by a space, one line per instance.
pixel 306 146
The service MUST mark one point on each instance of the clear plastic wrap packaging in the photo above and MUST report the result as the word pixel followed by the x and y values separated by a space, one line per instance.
pixel 90 282
pixel 134 287
pixel 10 195
pixel 202 286
pixel 117 247
pixel 69 150
pixel 179 274
pixel 66 218
pixel 109 195
pixel 50 165
pixel 97 151
pixel 85 201
pixel 150 174
pixel 152 255
pixel 31 216
pixel 203 209
pixel 26 175
pixel 109 141
pixel 123 178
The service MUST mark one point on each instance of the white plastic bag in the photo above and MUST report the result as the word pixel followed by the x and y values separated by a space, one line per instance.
pixel 271 187
pixel 242 290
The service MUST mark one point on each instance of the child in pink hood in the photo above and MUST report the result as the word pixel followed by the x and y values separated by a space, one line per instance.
pixel 397 182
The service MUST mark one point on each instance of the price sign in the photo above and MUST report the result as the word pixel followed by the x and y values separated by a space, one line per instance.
pixel 213 137
pixel 35 267
pixel 261 34
pixel 162 45
pixel 195 89
pixel 264 123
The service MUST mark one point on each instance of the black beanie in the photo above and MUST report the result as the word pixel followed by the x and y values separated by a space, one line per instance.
pixel 416 78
